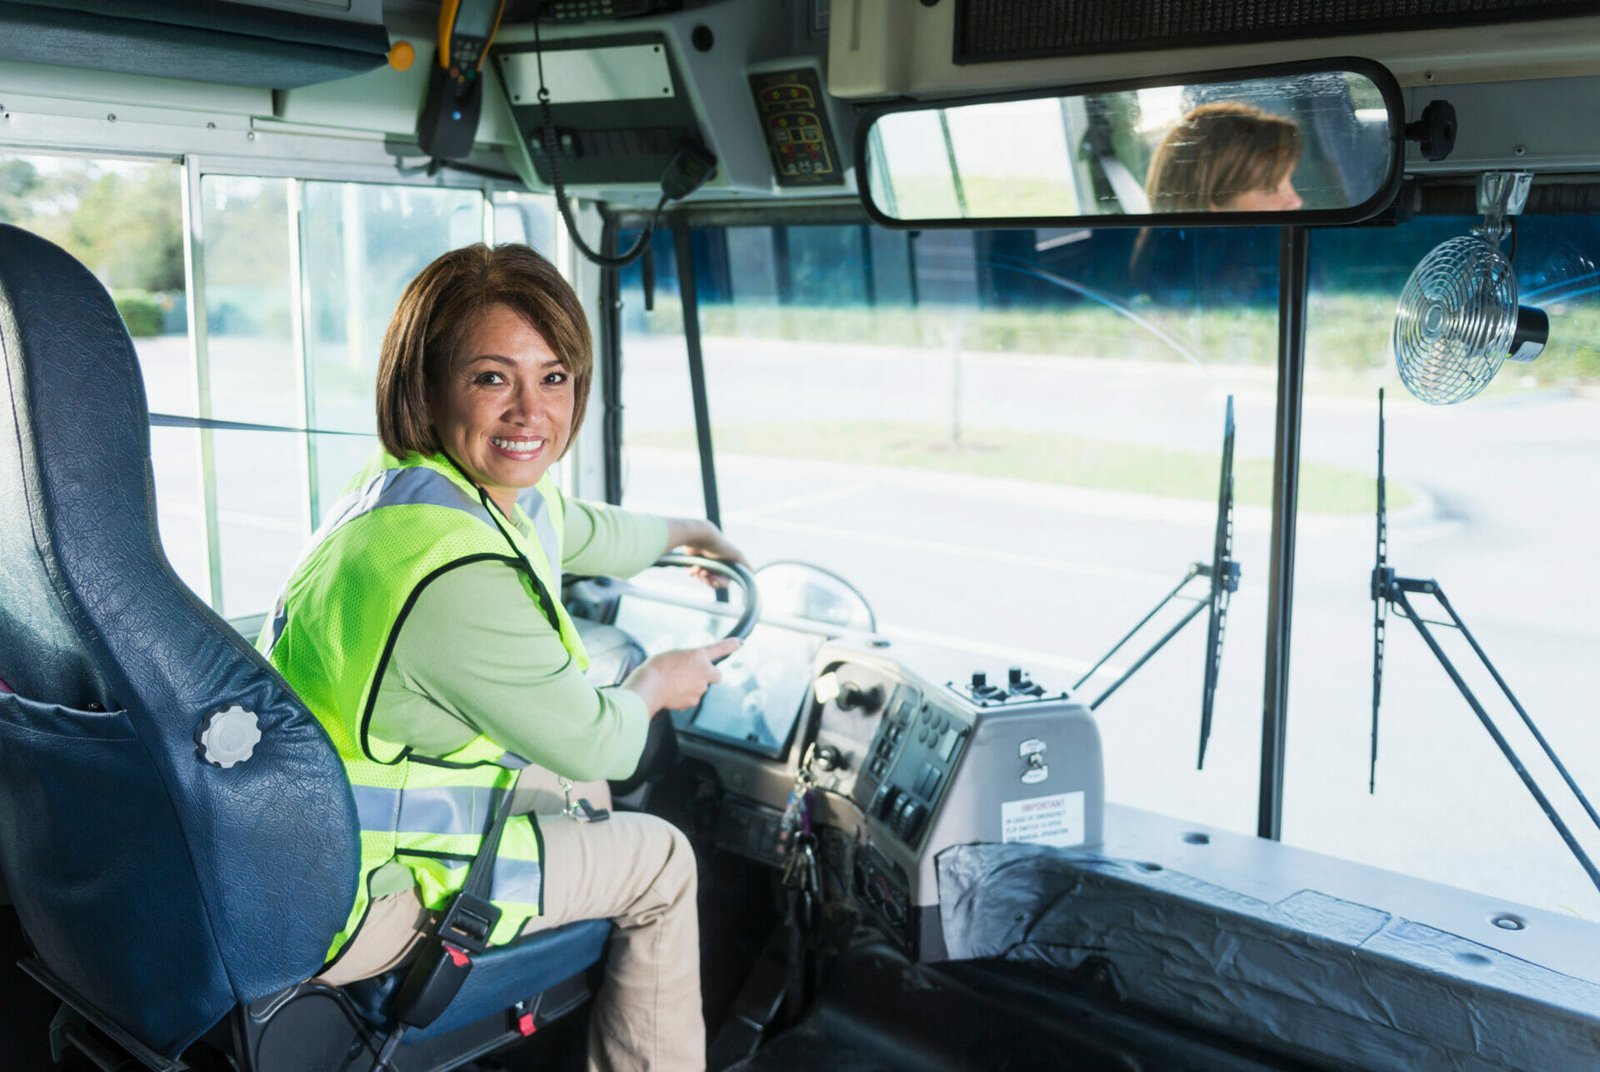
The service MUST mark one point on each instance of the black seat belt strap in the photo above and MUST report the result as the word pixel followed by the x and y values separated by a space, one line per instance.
pixel 446 956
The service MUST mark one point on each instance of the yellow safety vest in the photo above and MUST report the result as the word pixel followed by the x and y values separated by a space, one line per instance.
pixel 401 524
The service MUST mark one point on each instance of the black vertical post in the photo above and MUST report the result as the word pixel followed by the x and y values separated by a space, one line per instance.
pixel 911 265
pixel 783 269
pixel 1293 281
pixel 697 367
pixel 611 365
pixel 869 280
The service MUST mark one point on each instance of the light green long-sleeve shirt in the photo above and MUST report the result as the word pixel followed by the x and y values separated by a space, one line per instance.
pixel 476 654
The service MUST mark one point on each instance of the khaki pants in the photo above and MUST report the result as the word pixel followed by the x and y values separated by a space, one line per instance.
pixel 636 870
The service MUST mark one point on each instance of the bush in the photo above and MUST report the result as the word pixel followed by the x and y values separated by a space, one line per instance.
pixel 140 310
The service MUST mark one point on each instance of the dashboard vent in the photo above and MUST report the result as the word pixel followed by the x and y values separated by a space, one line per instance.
pixel 988 31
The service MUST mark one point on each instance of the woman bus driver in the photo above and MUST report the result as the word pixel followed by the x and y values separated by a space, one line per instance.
pixel 424 630
pixel 1226 156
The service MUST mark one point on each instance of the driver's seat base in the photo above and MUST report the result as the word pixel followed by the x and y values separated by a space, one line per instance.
pixel 511 991
pixel 313 1026
pixel 501 978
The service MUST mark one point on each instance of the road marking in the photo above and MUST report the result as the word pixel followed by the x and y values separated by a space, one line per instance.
pixel 1009 654
pixel 955 550
pixel 802 502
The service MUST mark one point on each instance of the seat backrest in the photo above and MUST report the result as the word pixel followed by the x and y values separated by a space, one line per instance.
pixel 160 888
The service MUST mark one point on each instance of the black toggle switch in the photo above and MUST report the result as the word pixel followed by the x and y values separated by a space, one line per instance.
pixel 853 697
pixel 982 690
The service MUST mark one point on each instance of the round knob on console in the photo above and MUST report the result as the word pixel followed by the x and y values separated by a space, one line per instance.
pixel 853 697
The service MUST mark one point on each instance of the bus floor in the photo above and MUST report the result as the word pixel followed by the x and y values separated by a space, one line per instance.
pixel 879 1012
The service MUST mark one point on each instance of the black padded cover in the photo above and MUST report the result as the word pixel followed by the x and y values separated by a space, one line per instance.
pixel 162 890
pixel 1316 977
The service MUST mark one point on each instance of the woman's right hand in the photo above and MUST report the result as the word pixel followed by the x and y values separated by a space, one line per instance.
pixel 677 679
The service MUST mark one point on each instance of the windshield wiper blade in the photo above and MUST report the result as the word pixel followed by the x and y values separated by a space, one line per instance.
pixel 1223 573
pixel 1389 589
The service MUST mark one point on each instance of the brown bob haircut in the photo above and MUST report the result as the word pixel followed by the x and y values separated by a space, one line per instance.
pixel 1217 152
pixel 437 310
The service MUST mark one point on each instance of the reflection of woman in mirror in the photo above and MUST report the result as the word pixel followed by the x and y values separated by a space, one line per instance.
pixel 1226 157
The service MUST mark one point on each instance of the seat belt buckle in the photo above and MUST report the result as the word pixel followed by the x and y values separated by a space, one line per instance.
pixel 446 959
pixel 468 922
pixel 432 983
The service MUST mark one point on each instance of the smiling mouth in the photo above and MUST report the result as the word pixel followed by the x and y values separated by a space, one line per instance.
pixel 522 447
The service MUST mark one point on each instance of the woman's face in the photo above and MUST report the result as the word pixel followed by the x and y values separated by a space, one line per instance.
pixel 1281 198
pixel 503 409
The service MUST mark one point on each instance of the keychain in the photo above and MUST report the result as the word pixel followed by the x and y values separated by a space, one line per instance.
pixel 797 810
pixel 796 840
pixel 581 810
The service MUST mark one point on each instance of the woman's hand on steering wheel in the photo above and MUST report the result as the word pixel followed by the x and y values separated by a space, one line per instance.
pixel 696 535
pixel 677 679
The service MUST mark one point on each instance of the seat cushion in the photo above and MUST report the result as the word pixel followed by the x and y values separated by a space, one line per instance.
pixel 499 978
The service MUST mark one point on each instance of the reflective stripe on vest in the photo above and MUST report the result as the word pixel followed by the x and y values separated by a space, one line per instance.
pixel 514 880
pixel 538 510
pixel 419 485
pixel 401 524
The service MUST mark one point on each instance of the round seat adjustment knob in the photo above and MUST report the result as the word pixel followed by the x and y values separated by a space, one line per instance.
pixel 228 736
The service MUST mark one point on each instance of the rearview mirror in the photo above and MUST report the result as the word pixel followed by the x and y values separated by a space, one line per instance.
pixel 1322 143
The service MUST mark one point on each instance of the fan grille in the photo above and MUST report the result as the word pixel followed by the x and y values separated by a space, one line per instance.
pixel 1455 321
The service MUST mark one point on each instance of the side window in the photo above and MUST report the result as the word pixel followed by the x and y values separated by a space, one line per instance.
pixel 529 218
pixel 124 220
pixel 360 245
pixel 661 472
pixel 257 514
pixel 296 281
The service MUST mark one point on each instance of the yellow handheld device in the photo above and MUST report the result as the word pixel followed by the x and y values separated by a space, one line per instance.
pixel 455 87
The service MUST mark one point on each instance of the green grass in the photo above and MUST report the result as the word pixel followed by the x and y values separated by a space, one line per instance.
pixel 1046 459
pixel 1346 332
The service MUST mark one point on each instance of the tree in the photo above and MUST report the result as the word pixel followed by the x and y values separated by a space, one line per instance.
pixel 124 221
pixel 19 180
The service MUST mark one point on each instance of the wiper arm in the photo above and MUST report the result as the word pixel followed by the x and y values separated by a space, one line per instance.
pixel 1389 589
pixel 1223 573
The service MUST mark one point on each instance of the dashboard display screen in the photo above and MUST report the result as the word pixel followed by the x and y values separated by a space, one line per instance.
pixel 764 685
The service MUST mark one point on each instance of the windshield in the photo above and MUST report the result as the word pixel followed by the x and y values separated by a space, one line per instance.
pixel 1011 441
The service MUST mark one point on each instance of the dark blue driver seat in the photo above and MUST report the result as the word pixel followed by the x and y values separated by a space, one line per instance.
pixel 166 897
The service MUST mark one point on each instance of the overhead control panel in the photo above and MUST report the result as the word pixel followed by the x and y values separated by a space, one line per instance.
pixel 617 112
pixel 744 85
pixel 795 126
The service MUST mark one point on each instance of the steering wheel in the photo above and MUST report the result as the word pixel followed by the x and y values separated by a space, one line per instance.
pixel 743 578
pixel 660 753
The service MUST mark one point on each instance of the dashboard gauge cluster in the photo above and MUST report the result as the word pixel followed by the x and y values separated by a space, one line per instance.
pixel 913 756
